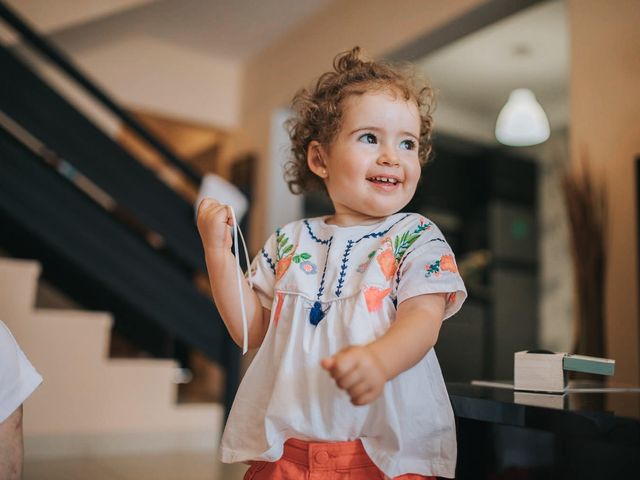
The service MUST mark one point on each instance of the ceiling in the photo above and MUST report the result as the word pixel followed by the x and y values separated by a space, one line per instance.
pixel 474 75
pixel 229 29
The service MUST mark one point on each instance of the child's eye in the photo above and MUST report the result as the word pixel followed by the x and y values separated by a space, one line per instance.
pixel 368 138
pixel 408 144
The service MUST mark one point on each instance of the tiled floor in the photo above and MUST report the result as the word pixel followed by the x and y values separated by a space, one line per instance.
pixel 178 466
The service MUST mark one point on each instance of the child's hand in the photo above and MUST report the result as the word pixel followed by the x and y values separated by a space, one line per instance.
pixel 214 221
pixel 358 371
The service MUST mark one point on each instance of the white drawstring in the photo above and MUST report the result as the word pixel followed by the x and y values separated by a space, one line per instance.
pixel 245 324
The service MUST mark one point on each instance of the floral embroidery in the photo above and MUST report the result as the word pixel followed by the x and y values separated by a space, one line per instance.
pixel 373 296
pixel 446 263
pixel 363 266
pixel 433 269
pixel 393 251
pixel 300 257
pixel 284 246
pixel 401 243
pixel 347 251
pixel 387 261
pixel 287 253
pixel 284 254
pixel 308 267
pixel 282 266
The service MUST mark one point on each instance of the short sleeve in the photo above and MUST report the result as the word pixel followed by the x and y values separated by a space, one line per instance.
pixel 430 267
pixel 18 378
pixel 263 272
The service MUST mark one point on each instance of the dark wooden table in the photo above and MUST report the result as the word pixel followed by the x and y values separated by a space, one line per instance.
pixel 504 434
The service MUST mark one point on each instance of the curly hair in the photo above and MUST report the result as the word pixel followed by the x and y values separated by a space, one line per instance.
pixel 318 111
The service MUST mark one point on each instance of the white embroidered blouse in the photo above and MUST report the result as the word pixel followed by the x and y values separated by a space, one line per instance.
pixel 329 287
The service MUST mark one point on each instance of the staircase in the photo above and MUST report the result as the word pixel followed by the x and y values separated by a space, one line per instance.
pixel 89 404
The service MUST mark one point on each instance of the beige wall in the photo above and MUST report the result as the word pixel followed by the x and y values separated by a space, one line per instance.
pixel 273 76
pixel 164 77
pixel 144 73
pixel 605 124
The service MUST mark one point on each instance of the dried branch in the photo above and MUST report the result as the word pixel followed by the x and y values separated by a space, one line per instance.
pixel 587 210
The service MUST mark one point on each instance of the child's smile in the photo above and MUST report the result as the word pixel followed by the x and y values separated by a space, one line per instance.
pixel 385 182
pixel 371 169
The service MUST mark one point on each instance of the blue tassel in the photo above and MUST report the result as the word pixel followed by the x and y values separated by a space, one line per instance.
pixel 316 314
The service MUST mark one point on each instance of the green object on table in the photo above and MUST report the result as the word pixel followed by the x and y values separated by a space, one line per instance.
pixel 583 363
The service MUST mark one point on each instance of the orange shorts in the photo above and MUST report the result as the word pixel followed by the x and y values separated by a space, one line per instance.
pixel 322 461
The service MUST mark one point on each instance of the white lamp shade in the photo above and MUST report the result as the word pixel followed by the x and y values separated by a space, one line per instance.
pixel 522 121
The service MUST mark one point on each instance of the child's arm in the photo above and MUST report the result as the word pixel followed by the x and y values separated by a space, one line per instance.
pixel 11 448
pixel 214 225
pixel 363 370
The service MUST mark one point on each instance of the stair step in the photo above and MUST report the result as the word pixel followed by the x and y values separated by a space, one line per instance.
pixel 116 395
pixel 189 437
pixel 149 382
pixel 18 285
pixel 89 403
pixel 65 334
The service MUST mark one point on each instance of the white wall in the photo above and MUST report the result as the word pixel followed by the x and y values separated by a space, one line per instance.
pixel 282 206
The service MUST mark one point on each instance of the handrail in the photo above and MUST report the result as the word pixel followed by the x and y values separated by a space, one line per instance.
pixel 107 266
pixel 80 181
pixel 58 58
pixel 50 118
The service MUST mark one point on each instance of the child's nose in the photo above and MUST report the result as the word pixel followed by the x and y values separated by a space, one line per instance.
pixel 388 157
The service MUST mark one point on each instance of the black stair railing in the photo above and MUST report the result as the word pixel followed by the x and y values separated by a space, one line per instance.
pixel 66 65
pixel 35 106
pixel 111 268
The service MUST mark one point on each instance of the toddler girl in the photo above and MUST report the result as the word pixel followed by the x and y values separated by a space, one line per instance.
pixel 346 308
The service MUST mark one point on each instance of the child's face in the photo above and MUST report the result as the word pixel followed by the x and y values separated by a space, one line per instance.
pixel 371 168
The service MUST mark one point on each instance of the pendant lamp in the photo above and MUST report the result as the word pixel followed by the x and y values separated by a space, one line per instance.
pixel 522 121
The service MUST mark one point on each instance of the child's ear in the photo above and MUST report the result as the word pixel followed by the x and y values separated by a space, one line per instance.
pixel 315 159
